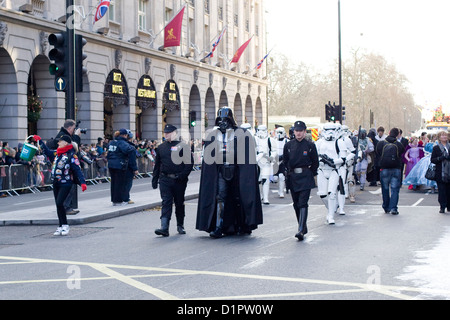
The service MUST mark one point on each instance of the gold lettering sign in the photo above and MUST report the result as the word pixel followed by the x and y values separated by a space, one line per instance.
pixel 172 86
pixel 146 82
pixel 151 94
pixel 117 77
pixel 172 96
pixel 117 89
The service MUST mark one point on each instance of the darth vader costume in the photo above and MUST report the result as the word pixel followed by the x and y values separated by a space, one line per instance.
pixel 229 199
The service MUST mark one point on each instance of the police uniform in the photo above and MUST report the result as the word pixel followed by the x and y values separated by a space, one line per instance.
pixel 301 161
pixel 173 164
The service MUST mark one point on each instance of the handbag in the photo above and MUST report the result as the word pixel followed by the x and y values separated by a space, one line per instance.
pixel 430 174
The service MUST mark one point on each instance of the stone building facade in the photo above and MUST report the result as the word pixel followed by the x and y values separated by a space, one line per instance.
pixel 131 80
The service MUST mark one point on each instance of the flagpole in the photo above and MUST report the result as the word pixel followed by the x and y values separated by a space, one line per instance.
pixel 340 62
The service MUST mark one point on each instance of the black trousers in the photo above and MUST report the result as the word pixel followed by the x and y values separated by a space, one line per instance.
pixel 444 195
pixel 172 191
pixel 300 200
pixel 118 185
pixel 60 193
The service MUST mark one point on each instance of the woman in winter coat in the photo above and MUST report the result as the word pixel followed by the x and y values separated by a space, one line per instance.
pixel 441 157
pixel 65 172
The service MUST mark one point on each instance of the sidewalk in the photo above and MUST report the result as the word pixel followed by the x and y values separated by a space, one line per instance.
pixel 94 205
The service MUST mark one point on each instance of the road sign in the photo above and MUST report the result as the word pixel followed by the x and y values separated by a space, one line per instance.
pixel 60 84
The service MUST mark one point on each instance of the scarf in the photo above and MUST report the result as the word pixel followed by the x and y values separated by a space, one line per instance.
pixel 445 163
pixel 63 150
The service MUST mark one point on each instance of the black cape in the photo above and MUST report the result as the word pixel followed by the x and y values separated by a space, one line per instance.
pixel 243 209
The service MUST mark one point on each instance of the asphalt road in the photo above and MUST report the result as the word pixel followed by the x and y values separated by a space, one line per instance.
pixel 366 255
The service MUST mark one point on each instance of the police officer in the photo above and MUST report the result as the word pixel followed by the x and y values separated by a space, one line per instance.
pixel 301 160
pixel 173 164
pixel 121 155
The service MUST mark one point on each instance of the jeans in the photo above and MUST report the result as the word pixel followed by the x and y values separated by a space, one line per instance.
pixel 390 179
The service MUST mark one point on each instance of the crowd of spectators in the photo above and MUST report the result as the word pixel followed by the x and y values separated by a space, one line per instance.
pixel 92 158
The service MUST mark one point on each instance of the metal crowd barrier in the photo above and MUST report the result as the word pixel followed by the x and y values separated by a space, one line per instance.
pixel 19 177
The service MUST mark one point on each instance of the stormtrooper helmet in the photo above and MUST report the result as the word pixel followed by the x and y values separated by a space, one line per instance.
pixel 262 132
pixel 329 132
pixel 280 132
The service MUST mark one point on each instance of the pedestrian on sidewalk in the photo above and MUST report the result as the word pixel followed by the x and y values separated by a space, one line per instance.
pixel 390 153
pixel 70 129
pixel 173 165
pixel 121 155
pixel 66 172
pixel 441 158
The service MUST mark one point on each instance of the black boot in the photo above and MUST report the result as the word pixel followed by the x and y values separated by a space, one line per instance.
pixel 164 231
pixel 219 222
pixel 302 229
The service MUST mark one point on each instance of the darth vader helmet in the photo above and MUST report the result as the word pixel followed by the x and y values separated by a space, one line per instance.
pixel 225 119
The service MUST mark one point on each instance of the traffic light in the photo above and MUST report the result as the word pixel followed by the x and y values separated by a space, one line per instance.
pixel 328 111
pixel 337 113
pixel 80 56
pixel 192 119
pixel 343 113
pixel 58 54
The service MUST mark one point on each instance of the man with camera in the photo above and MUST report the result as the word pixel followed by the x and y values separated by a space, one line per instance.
pixel 70 128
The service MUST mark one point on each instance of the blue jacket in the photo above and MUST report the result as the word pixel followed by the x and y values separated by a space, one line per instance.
pixel 121 155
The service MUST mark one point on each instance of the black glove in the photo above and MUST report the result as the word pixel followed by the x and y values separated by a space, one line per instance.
pixel 155 184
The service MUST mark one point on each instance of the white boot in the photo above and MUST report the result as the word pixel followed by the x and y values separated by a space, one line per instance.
pixel 341 200
pixel 281 185
pixel 331 210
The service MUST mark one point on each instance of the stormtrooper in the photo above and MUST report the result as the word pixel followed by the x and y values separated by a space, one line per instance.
pixel 282 139
pixel 346 170
pixel 332 156
pixel 267 157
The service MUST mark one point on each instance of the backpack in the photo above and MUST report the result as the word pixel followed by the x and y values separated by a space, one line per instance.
pixel 389 156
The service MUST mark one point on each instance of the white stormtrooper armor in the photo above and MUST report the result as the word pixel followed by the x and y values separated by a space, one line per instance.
pixel 266 156
pixel 332 156
pixel 345 171
pixel 282 139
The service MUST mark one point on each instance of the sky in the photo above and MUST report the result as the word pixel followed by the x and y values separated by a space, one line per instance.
pixel 413 35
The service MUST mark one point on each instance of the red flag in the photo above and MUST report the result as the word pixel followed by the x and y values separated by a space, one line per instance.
pixel 240 51
pixel 172 32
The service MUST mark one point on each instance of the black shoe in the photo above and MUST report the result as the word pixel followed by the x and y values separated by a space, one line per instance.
pixel 216 234
pixel 300 236
pixel 181 230
pixel 162 232
pixel 394 212
pixel 442 210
